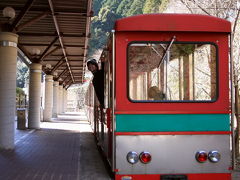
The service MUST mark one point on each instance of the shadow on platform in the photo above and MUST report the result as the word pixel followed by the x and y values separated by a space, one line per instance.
pixel 61 150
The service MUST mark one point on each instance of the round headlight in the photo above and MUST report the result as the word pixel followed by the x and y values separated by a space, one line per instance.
pixel 132 157
pixel 145 157
pixel 214 156
pixel 201 156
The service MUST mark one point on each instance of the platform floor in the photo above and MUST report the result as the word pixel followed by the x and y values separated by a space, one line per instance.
pixel 61 150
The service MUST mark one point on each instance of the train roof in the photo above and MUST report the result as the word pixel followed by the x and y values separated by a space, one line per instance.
pixel 173 22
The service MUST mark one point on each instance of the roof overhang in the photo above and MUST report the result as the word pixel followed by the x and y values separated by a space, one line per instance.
pixel 173 22
pixel 58 28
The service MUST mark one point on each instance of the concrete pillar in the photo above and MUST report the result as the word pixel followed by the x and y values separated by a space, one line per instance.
pixel 8 62
pixel 34 96
pixel 47 113
pixel 65 100
pixel 63 104
pixel 55 98
pixel 60 95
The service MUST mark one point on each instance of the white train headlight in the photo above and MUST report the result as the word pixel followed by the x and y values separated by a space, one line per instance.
pixel 214 156
pixel 132 157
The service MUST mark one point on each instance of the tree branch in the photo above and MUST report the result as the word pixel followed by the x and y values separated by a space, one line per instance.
pixel 184 3
pixel 235 24
pixel 201 8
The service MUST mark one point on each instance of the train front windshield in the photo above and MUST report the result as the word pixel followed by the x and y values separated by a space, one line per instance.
pixel 160 72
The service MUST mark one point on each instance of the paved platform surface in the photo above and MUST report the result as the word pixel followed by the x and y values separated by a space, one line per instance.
pixel 236 173
pixel 61 150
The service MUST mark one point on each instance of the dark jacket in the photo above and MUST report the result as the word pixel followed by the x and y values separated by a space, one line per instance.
pixel 98 83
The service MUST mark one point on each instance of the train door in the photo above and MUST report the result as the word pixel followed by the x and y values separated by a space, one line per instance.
pixel 106 131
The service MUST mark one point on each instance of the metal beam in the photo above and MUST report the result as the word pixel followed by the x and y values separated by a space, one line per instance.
pixel 52 34
pixel 60 63
pixel 71 13
pixel 23 59
pixel 68 84
pixel 23 12
pixel 46 50
pixel 54 60
pixel 25 52
pixel 66 78
pixel 68 87
pixel 52 51
pixel 57 12
pixel 32 21
pixel 77 76
pixel 60 38
pixel 69 55
pixel 47 44
pixel 78 68
pixel 60 75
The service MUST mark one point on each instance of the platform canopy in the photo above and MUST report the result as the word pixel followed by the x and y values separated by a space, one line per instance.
pixel 52 32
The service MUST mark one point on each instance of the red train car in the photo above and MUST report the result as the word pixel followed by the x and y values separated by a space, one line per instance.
pixel 167 109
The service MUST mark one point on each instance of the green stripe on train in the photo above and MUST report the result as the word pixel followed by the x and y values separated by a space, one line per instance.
pixel 172 122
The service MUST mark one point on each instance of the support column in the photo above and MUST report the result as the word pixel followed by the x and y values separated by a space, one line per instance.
pixel 60 95
pixel 55 98
pixel 34 96
pixel 62 106
pixel 48 109
pixel 65 100
pixel 8 62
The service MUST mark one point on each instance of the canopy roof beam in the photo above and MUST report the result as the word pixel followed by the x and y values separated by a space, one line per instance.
pixel 60 38
pixel 23 12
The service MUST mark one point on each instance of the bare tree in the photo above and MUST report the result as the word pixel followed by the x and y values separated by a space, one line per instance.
pixel 229 10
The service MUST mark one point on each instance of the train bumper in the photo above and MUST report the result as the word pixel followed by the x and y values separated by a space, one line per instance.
pixel 213 176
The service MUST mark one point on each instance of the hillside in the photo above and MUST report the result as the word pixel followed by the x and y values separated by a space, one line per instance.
pixel 107 11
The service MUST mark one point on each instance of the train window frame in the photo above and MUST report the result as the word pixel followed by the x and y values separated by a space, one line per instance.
pixel 173 101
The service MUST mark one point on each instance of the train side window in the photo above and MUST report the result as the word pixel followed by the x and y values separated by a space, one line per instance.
pixel 184 72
